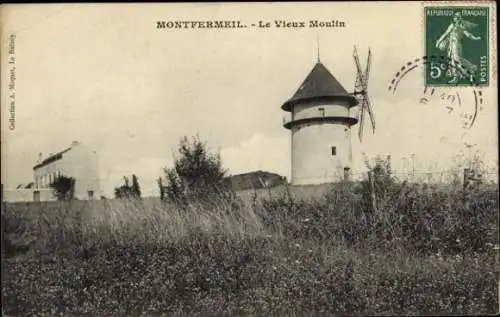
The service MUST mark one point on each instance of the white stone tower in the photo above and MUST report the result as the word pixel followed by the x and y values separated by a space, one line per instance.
pixel 321 120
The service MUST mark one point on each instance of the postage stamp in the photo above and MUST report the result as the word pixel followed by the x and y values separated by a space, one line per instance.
pixel 461 35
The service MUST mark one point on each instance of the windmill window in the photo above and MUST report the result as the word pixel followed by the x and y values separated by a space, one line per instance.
pixel 334 150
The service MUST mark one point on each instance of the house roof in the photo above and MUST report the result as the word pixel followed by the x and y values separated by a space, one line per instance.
pixel 251 180
pixel 320 83
pixel 52 158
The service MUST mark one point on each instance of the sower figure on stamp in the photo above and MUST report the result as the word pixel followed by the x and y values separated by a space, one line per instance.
pixel 451 42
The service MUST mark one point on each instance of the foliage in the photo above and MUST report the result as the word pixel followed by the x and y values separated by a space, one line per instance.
pixel 16 234
pixel 124 190
pixel 197 174
pixel 424 250
pixel 63 187
pixel 378 184
pixel 136 188
pixel 129 191
pixel 161 188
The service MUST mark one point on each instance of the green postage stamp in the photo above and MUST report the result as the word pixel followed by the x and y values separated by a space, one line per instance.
pixel 456 44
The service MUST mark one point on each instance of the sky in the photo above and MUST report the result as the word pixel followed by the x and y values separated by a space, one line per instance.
pixel 104 75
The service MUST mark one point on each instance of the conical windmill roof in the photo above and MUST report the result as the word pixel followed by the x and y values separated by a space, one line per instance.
pixel 319 84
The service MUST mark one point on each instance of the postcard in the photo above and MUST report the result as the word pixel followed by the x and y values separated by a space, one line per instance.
pixel 106 102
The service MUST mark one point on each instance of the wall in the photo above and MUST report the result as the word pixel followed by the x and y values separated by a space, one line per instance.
pixel 96 208
pixel 312 110
pixel 298 192
pixel 83 165
pixel 26 195
pixel 312 159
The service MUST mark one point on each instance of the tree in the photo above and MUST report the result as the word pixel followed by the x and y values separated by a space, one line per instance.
pixel 197 174
pixel 129 191
pixel 136 189
pixel 162 188
pixel 123 191
pixel 379 184
pixel 63 187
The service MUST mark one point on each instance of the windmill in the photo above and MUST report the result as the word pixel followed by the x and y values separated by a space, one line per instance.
pixel 322 104
pixel 361 92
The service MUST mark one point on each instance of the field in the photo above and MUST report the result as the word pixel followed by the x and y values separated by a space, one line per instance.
pixel 403 249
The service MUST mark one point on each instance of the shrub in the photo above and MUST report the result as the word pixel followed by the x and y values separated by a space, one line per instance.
pixel 129 191
pixel 17 235
pixel 63 187
pixel 197 175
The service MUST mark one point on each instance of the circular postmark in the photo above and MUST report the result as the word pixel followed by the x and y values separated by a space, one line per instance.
pixel 463 100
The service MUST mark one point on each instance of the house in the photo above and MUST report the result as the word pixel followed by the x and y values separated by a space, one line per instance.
pixel 77 161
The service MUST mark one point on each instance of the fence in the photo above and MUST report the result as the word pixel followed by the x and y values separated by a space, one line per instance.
pixel 427 176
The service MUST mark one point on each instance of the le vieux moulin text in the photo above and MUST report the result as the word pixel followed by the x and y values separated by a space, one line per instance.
pixel 236 24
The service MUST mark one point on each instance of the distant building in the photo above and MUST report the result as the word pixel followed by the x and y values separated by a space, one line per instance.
pixel 77 161
pixel 255 180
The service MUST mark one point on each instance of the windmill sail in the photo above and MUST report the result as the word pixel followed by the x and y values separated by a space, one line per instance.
pixel 361 117
pixel 367 100
pixel 368 107
pixel 361 94
pixel 358 86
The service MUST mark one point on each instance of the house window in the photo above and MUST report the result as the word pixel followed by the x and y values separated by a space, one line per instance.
pixel 91 194
pixel 334 150
pixel 321 111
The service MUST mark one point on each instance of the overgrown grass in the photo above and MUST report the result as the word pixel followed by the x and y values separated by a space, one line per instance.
pixel 417 250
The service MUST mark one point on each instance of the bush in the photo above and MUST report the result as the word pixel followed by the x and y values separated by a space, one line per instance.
pixel 129 191
pixel 197 175
pixel 63 187
pixel 17 235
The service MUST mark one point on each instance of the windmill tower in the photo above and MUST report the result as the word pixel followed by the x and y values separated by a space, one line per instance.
pixel 322 115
